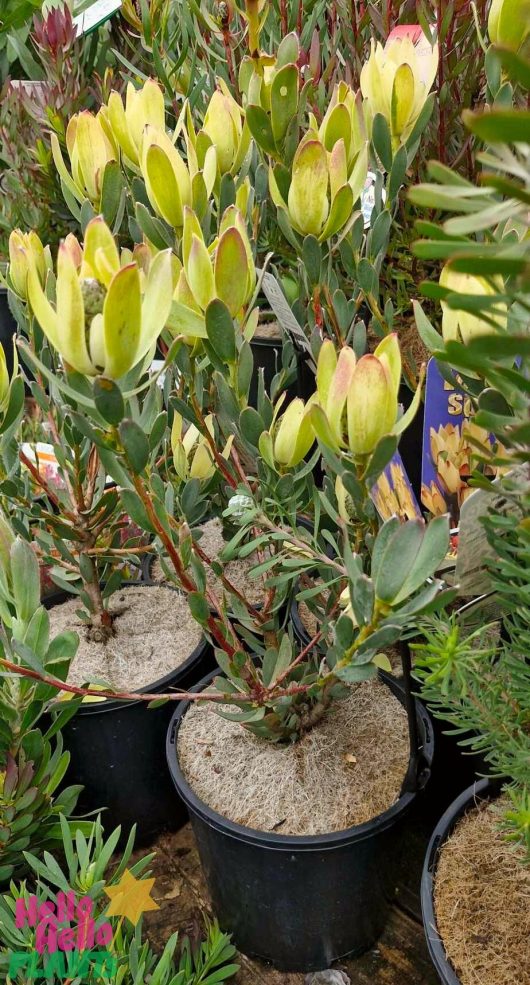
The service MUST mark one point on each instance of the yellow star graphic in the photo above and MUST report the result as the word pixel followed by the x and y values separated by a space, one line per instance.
pixel 131 897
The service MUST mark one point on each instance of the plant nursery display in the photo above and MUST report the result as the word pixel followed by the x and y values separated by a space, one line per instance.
pixel 253 493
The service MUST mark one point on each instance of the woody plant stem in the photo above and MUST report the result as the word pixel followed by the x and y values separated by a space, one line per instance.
pixel 273 692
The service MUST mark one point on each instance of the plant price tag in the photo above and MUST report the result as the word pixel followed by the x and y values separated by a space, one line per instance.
pixel 95 15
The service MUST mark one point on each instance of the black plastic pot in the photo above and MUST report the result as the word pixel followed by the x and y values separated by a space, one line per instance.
pixel 300 902
pixel 267 355
pixel 453 770
pixel 8 327
pixel 411 441
pixel 116 753
pixel 306 378
pixel 482 790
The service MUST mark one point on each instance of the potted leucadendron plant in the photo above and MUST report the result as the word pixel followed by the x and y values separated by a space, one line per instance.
pixel 268 776
pixel 130 635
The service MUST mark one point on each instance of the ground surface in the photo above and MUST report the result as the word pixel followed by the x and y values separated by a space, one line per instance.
pixel 400 957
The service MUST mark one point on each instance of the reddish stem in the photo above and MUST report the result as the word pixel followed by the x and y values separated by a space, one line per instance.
pixel 229 57
pixel 283 17
pixel 144 696
pixel 187 583
pixel 41 481
pixel 258 616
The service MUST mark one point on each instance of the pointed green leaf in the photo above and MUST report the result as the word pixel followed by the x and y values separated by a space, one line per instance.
pixel 426 330
pixel 340 212
pixel 230 266
pixel 184 321
pixel 383 538
pixel 108 400
pixel 111 191
pixel 25 579
pixel 500 126
pixel 135 444
pixel 136 510
pixel 221 331
pixel 382 141
pixel 432 552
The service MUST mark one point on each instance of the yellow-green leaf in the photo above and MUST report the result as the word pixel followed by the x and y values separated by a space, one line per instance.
pixel 230 268
pixel 122 314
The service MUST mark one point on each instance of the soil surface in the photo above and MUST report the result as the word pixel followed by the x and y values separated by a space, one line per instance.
pixel 237 571
pixel 154 632
pixel 345 771
pixel 269 330
pixel 482 901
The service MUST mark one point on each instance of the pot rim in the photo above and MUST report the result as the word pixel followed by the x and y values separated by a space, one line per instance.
pixel 270 839
pixel 266 341
pixel 481 790
pixel 162 684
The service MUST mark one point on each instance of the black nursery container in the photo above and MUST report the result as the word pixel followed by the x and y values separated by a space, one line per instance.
pixel 411 441
pixel 117 753
pixel 267 355
pixel 479 791
pixel 300 902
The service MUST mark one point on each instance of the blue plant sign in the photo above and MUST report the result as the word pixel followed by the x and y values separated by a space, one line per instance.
pixel 446 453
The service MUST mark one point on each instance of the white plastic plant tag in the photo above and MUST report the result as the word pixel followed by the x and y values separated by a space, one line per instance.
pixel 474 550
pixel 95 15
pixel 282 309
pixel 368 198
pixel 42 455
pixel 156 366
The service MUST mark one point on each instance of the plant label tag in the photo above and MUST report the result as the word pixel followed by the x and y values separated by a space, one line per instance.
pixel 368 198
pixel 282 309
pixel 393 495
pixel 474 550
pixel 42 455
pixel 445 463
pixel 95 15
